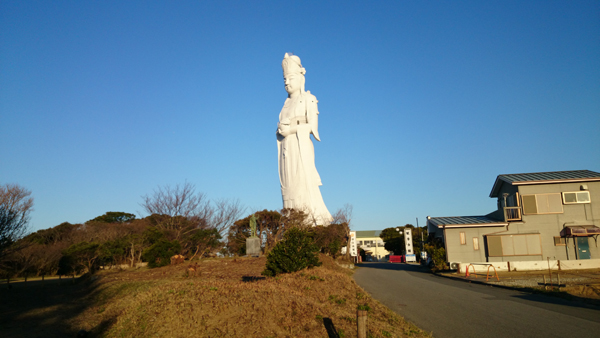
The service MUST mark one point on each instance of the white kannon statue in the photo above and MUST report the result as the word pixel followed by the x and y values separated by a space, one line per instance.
pixel 298 119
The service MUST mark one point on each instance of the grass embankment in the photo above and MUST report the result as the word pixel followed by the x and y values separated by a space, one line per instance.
pixel 221 301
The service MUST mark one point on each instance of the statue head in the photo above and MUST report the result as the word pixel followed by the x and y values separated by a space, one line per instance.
pixel 293 74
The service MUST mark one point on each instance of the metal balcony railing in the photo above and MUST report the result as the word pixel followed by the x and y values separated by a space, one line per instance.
pixel 512 214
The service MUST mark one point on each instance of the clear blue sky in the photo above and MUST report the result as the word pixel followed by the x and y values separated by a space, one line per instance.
pixel 423 103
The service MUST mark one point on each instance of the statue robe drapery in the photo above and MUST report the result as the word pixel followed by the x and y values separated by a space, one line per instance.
pixel 298 174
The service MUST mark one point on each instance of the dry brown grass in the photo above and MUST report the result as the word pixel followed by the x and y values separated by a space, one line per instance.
pixel 165 302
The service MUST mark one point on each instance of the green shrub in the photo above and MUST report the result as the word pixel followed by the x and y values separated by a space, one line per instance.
pixel 111 252
pixel 160 253
pixel 330 239
pixel 153 234
pixel 363 307
pixel 79 257
pixel 437 253
pixel 203 240
pixel 295 252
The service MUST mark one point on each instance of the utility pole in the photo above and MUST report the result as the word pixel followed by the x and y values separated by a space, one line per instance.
pixel 422 243
pixel 421 234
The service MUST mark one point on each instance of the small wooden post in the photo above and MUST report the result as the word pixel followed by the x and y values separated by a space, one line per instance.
pixel 361 323
pixel 550 272
pixel 545 287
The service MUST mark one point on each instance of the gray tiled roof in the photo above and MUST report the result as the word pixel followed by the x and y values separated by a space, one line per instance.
pixel 545 177
pixel 368 233
pixel 550 176
pixel 464 220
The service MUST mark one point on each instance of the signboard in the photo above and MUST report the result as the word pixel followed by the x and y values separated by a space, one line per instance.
pixel 411 258
pixel 353 250
pixel 408 243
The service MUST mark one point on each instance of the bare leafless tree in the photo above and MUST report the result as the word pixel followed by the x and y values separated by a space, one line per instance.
pixel 182 204
pixel 16 205
pixel 225 213
pixel 181 200
pixel 343 215
pixel 189 210
pixel 297 218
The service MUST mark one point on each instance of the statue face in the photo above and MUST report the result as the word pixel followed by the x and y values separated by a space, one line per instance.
pixel 293 83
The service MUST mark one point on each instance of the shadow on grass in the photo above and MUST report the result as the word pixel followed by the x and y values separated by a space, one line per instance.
pixel 252 278
pixel 331 331
pixel 46 309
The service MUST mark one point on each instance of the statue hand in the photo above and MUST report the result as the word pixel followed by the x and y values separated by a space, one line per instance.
pixel 283 130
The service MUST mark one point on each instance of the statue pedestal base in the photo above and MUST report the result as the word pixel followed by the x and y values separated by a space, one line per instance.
pixel 253 246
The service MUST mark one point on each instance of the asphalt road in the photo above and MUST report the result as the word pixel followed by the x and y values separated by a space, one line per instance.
pixel 451 308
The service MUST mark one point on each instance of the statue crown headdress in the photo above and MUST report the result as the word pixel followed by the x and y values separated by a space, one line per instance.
pixel 291 65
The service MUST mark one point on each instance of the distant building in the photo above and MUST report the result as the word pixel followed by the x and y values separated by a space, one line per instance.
pixel 548 215
pixel 372 244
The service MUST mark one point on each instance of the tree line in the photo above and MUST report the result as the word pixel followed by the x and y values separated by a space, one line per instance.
pixel 181 221
pixel 394 242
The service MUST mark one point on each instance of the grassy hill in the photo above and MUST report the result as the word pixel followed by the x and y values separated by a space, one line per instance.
pixel 226 298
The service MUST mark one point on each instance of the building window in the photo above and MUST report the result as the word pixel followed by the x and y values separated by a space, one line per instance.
pixel 514 245
pixel 542 204
pixel 576 197
pixel 560 241
pixel 463 238
pixel 475 243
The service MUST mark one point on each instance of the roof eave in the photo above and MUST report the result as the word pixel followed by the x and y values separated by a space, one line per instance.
pixel 569 180
pixel 499 181
pixel 472 225
pixel 497 186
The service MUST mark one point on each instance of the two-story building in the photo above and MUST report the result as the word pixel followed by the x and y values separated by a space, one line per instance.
pixel 373 245
pixel 540 216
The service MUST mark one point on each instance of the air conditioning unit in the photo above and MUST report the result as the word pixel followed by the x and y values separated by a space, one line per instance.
pixel 454 265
